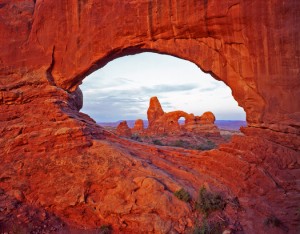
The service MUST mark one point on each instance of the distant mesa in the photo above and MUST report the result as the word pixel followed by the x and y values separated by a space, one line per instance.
pixel 166 123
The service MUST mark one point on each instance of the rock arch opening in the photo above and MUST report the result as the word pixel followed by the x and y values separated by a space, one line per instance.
pixel 121 91
pixel 181 121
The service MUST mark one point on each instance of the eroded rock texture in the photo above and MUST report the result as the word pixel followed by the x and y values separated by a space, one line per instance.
pixel 56 160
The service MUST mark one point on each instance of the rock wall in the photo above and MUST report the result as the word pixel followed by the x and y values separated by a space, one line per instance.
pixel 59 160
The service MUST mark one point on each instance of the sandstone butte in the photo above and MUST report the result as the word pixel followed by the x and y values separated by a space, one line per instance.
pixel 60 170
pixel 161 123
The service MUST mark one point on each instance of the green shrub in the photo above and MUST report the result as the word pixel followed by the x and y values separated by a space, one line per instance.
pixel 208 202
pixel 157 142
pixel 183 195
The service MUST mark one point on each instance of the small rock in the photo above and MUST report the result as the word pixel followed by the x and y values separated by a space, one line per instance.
pixel 17 194
pixel 226 232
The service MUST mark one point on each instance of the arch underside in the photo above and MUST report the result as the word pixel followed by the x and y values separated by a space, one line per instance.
pixel 61 161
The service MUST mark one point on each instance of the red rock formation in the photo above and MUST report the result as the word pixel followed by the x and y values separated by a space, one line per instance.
pixel 203 125
pixel 138 126
pixel 123 129
pixel 65 164
pixel 167 123
pixel 207 118
pixel 154 111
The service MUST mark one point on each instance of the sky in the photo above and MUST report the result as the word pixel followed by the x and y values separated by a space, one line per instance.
pixel 121 90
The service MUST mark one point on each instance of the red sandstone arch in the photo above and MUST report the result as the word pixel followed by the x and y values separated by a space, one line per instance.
pixel 225 39
pixel 48 47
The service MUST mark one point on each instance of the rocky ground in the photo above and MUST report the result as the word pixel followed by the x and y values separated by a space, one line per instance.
pixel 111 183
pixel 185 140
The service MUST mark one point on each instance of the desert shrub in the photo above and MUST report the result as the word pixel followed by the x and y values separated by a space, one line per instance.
pixel 136 137
pixel 157 142
pixel 183 195
pixel 207 146
pixel 208 202
pixel 181 143
pixel 208 228
pixel 227 137
pixel 105 229
pixel 234 202
pixel 272 221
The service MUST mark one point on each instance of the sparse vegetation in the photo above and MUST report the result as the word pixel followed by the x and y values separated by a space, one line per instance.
pixel 183 195
pixel 181 143
pixel 207 146
pixel 157 142
pixel 272 221
pixel 105 229
pixel 234 202
pixel 208 202
pixel 208 228
pixel 136 137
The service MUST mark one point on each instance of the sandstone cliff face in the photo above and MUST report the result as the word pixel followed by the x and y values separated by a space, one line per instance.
pixel 61 162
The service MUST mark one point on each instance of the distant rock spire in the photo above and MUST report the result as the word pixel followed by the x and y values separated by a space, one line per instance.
pixel 154 111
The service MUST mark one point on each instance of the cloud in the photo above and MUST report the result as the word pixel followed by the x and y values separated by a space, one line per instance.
pixel 169 88
pixel 100 83
pixel 121 102
pixel 115 107
pixel 123 94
